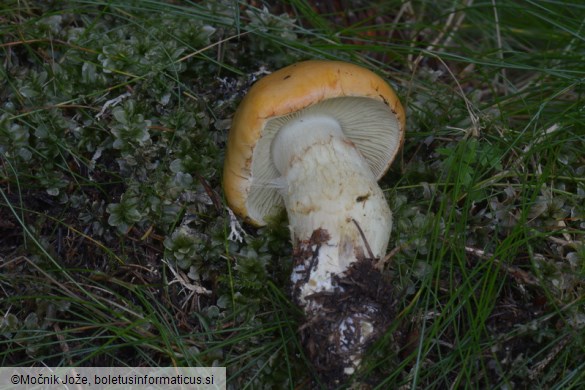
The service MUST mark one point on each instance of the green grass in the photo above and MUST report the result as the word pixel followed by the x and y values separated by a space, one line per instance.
pixel 100 202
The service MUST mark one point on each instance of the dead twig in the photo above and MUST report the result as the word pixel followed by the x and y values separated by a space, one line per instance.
pixel 518 274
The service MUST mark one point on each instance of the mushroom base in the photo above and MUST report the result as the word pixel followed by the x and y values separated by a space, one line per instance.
pixel 343 322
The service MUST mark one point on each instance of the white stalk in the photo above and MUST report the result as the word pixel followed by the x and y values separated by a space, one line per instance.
pixel 337 214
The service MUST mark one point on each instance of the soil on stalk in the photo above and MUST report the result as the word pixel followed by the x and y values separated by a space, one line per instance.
pixel 333 335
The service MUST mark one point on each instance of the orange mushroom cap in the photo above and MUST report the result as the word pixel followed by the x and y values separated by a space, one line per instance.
pixel 291 90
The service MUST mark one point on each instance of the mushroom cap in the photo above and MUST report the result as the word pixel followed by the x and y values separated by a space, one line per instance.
pixel 367 108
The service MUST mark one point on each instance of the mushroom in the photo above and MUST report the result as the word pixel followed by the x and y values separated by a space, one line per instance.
pixel 314 138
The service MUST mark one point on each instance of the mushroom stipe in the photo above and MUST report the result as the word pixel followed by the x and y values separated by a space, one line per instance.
pixel 314 138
